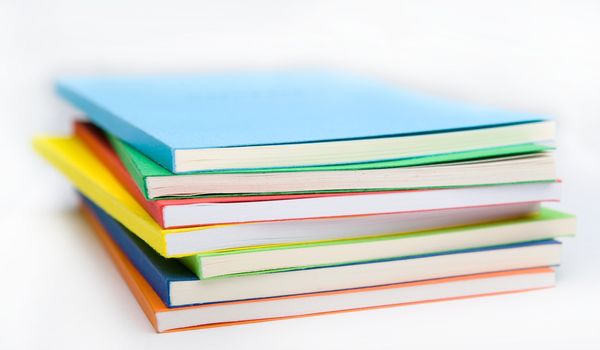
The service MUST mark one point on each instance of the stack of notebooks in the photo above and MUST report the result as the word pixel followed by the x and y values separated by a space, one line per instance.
pixel 242 197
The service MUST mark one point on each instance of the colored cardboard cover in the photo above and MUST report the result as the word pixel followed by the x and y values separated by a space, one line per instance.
pixel 152 304
pixel 160 271
pixel 159 114
pixel 93 179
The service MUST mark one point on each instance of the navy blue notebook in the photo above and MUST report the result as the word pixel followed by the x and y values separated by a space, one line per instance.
pixel 162 115
pixel 169 276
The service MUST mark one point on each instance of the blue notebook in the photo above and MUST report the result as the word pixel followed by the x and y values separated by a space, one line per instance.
pixel 177 286
pixel 217 121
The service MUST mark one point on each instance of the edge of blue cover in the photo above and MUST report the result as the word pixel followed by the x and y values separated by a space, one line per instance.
pixel 158 271
pixel 152 147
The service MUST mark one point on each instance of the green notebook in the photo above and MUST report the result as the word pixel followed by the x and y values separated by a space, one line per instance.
pixel 546 224
pixel 147 173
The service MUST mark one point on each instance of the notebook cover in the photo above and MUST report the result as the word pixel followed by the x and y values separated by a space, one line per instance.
pixel 157 270
pixel 160 271
pixel 94 180
pixel 97 143
pixel 152 304
pixel 162 113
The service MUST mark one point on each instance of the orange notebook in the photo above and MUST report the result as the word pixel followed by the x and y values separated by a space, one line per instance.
pixel 166 319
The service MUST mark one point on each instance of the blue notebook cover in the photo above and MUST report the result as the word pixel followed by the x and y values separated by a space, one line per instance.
pixel 160 271
pixel 163 113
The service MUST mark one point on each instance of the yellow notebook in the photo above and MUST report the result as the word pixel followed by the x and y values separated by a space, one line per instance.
pixel 96 182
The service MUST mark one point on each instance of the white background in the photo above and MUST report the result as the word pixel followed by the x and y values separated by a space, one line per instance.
pixel 60 290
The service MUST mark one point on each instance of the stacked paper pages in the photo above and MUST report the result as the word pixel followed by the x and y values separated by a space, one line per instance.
pixel 243 197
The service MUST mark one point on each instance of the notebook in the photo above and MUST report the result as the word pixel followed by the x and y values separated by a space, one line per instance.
pixel 245 120
pixel 94 180
pixel 165 319
pixel 508 164
pixel 177 286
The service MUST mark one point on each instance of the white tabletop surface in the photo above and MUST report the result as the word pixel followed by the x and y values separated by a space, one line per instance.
pixel 59 288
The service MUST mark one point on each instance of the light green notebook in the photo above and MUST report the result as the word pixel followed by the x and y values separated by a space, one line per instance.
pixel 546 224
pixel 145 171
